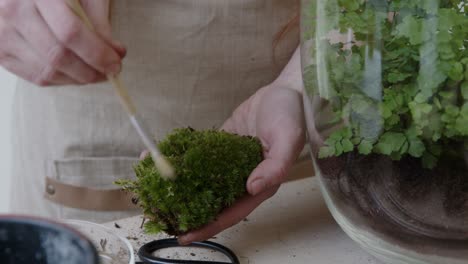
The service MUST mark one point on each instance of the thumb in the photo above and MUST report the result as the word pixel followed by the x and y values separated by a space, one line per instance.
pixel 99 12
pixel 281 149
pixel 269 173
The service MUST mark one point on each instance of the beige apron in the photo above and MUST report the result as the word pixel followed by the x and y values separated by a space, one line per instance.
pixel 189 63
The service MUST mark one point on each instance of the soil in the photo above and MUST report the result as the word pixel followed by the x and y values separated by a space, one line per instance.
pixel 402 194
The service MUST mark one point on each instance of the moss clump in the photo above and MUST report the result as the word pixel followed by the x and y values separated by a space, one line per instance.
pixel 212 168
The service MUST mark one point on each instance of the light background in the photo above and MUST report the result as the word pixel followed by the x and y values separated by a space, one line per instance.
pixel 7 85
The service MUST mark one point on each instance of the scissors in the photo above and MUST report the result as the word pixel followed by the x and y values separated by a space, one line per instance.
pixel 146 257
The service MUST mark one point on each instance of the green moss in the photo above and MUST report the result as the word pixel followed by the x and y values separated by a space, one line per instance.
pixel 212 168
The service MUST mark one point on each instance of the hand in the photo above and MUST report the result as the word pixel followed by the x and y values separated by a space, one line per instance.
pixel 275 115
pixel 44 42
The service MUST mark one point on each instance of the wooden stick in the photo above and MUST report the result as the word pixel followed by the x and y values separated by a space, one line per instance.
pixel 167 171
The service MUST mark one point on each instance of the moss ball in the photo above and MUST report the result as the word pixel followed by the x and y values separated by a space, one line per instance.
pixel 211 169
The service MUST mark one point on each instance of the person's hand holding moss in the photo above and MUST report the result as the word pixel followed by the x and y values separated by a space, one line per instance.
pixel 275 115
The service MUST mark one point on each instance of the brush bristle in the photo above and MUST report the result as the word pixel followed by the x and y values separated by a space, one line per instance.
pixel 164 167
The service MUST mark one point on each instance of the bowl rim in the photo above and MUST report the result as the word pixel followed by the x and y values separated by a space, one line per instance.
pixel 102 227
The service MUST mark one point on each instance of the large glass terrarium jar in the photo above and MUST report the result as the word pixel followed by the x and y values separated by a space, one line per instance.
pixel 387 113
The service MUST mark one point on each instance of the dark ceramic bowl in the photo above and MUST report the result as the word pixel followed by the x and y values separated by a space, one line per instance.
pixel 26 240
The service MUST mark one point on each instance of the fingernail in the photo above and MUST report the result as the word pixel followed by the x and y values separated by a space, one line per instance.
pixel 114 68
pixel 122 50
pixel 118 45
pixel 257 186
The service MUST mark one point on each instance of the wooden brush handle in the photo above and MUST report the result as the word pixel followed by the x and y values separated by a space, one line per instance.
pixel 167 171
pixel 75 5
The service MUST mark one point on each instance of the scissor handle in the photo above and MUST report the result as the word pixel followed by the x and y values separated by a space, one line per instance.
pixel 145 252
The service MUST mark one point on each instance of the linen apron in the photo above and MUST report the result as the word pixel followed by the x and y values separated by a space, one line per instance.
pixel 189 63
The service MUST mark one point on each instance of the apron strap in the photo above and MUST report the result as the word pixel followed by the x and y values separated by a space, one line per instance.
pixel 87 198
pixel 117 200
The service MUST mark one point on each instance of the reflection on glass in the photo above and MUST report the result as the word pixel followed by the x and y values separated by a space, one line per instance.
pixel 387 113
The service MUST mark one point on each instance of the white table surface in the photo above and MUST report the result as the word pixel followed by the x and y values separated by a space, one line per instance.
pixel 292 227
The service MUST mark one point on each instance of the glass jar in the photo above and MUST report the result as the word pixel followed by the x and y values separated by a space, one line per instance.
pixel 386 105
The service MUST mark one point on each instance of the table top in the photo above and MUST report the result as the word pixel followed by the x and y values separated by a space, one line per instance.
pixel 294 226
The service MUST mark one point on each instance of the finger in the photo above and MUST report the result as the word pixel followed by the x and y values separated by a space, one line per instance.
pixel 60 79
pixel 229 217
pixel 144 154
pixel 46 46
pixel 18 67
pixel 8 39
pixel 12 64
pixel 22 61
pixel 229 126
pixel 99 13
pixel 119 47
pixel 74 35
pixel 281 148
pixel 286 141
pixel 269 172
pixel 242 118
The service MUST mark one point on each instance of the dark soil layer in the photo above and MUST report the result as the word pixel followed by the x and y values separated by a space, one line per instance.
pixel 401 195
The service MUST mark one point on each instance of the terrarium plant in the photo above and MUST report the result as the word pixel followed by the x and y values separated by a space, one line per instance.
pixel 399 80
pixel 387 111
pixel 211 170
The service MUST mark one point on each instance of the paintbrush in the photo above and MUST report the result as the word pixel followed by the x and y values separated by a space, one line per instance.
pixel 164 167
